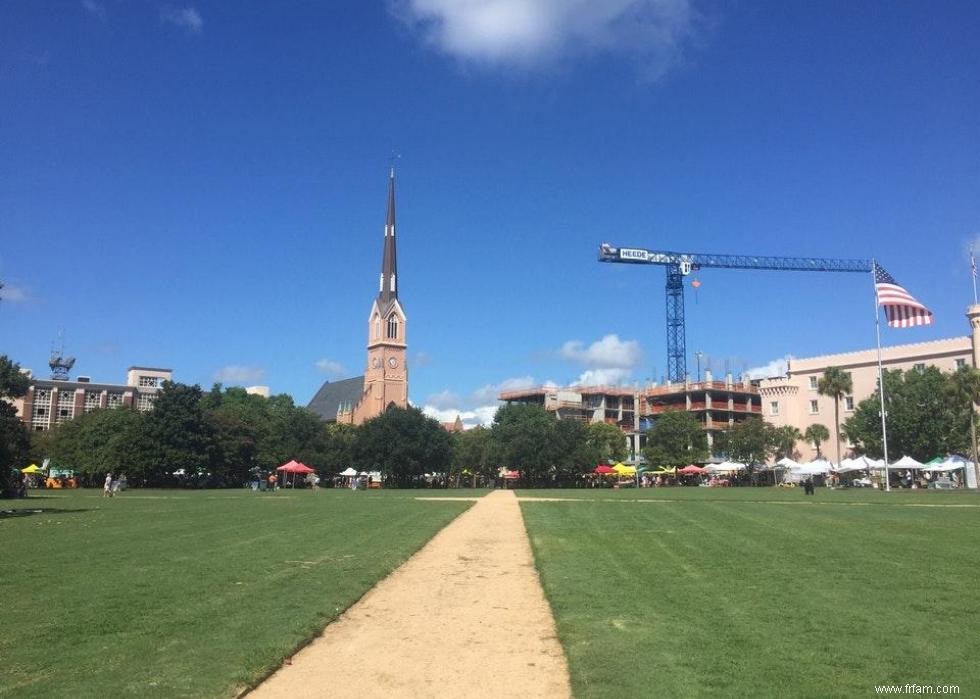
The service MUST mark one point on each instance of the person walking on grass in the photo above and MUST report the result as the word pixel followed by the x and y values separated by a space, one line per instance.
pixel 107 488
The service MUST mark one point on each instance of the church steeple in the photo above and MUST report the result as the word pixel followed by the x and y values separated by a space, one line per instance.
pixel 388 290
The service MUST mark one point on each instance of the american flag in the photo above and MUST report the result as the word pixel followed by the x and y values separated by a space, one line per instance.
pixel 901 309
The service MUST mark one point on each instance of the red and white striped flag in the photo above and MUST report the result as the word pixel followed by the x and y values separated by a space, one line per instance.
pixel 901 309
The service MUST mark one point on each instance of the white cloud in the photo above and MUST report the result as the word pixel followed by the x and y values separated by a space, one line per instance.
pixel 608 353
pixel 602 377
pixel 489 392
pixel 532 33
pixel 95 8
pixel 777 367
pixel 481 415
pixel 13 294
pixel 446 399
pixel 239 374
pixel 187 18
pixel 330 367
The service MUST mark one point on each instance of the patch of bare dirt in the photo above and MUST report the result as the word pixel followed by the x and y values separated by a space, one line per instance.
pixel 464 617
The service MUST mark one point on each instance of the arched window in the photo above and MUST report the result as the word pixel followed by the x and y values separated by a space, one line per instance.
pixel 377 327
pixel 393 327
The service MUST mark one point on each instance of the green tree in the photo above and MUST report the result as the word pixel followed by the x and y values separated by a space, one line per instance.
pixel 835 383
pixel 609 441
pixel 963 392
pixel 571 452
pixel 921 420
pixel 817 434
pixel 335 448
pixel 14 441
pixel 101 442
pixel 403 444
pixel 676 439
pixel 178 436
pixel 785 439
pixel 752 442
pixel 521 440
pixel 471 453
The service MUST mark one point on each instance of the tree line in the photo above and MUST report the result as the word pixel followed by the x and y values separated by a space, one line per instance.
pixel 221 437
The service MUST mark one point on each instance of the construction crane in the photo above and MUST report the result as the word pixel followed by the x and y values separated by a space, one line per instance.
pixel 679 264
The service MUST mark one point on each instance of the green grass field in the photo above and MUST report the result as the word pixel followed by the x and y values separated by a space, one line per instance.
pixel 186 594
pixel 761 592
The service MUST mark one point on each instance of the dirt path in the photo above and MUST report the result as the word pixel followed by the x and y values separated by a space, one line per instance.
pixel 464 617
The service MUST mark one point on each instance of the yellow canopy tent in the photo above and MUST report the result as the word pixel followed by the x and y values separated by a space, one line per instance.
pixel 624 470
pixel 31 469
pixel 664 472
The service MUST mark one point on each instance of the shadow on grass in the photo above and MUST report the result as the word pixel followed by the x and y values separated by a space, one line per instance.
pixel 27 512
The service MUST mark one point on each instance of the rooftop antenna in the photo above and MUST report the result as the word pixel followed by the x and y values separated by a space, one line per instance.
pixel 59 363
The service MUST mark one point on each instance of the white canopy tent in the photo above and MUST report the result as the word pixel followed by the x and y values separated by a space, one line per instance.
pixel 785 462
pixel 817 467
pixel 724 467
pixel 348 472
pixel 907 462
pixel 860 463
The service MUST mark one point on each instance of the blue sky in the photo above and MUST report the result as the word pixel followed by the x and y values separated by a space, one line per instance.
pixel 201 186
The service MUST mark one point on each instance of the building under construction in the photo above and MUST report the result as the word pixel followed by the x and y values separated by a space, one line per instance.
pixel 716 404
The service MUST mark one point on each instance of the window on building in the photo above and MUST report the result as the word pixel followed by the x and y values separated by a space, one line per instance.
pixel 113 400
pixel 66 406
pixel 149 382
pixel 813 383
pixel 848 402
pixel 377 327
pixel 39 418
pixel 960 363
pixel 814 407
pixel 920 366
pixel 92 400
pixel 393 327
pixel 774 407
pixel 145 402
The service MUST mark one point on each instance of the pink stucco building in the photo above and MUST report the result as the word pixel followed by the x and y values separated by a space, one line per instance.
pixel 793 399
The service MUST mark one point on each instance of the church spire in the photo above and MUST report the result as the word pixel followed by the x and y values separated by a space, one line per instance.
pixel 389 265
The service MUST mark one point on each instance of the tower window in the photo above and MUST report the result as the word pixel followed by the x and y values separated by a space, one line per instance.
pixel 392 282
pixel 381 282
pixel 393 327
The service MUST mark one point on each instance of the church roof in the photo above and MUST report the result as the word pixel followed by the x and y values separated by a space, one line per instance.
pixel 389 263
pixel 333 394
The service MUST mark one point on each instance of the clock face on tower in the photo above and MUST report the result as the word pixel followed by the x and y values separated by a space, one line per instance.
pixel 376 363
pixel 392 362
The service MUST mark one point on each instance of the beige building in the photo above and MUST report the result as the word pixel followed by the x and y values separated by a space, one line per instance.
pixel 51 402
pixel 793 399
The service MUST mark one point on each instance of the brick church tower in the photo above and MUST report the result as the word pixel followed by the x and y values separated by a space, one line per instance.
pixel 385 379
pixel 386 375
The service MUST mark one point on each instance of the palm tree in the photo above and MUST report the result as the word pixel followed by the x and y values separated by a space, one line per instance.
pixel 963 390
pixel 815 434
pixel 785 440
pixel 835 383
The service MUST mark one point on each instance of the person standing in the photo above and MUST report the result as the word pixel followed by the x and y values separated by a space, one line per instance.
pixel 107 488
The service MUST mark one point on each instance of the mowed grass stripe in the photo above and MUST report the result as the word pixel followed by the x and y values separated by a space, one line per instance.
pixel 721 595
pixel 190 595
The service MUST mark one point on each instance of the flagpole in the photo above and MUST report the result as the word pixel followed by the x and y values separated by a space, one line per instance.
pixel 881 381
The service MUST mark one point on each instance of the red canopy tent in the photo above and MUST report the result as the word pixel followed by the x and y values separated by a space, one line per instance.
pixel 603 470
pixel 691 470
pixel 294 467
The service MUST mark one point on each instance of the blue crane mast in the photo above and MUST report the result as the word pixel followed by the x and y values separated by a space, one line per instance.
pixel 680 264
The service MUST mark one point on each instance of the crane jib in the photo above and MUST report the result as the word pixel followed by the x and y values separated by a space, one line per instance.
pixel 680 264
